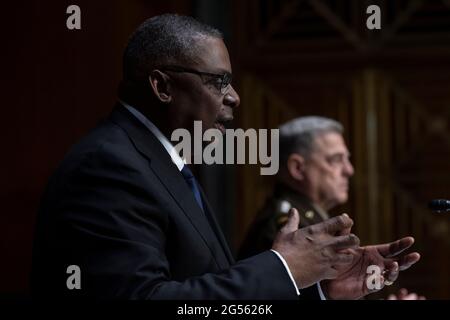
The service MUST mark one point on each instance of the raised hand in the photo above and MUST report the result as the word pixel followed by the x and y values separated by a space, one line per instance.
pixel 351 282
pixel 315 253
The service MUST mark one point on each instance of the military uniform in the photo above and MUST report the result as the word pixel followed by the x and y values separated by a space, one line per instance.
pixel 274 215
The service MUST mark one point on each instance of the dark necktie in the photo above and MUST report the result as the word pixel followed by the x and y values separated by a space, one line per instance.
pixel 192 182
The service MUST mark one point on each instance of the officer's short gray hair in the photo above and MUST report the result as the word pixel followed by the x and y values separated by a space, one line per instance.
pixel 297 135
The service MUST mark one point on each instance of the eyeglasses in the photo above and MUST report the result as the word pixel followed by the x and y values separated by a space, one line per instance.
pixel 220 82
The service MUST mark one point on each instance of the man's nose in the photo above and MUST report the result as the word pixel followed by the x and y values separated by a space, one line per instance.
pixel 231 98
pixel 348 168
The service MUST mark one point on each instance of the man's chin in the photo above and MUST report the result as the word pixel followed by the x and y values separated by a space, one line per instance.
pixel 220 126
pixel 342 199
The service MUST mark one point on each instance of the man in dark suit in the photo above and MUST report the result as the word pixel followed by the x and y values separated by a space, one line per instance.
pixel 126 211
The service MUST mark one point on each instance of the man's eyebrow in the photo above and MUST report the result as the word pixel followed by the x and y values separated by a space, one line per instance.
pixel 337 153
pixel 222 71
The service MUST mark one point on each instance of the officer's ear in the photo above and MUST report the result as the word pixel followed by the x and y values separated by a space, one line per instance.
pixel 296 167
pixel 160 84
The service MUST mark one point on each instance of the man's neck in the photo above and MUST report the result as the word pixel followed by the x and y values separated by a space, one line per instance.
pixel 311 196
pixel 155 114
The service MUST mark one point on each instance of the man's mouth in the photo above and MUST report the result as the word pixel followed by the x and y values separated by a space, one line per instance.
pixel 223 124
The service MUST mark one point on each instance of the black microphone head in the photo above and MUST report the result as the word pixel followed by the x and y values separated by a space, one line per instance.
pixel 439 205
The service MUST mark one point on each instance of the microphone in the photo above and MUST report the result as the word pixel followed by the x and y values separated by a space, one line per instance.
pixel 439 205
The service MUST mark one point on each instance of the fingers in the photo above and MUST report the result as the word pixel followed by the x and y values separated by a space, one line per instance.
pixel 411 296
pixel 395 248
pixel 345 231
pixel 402 293
pixel 292 223
pixel 335 225
pixel 408 260
pixel 392 271
pixel 345 242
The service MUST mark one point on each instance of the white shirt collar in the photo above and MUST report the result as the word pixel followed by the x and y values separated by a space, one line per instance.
pixel 179 162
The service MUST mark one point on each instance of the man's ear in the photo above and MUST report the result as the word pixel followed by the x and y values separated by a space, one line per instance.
pixel 160 84
pixel 296 166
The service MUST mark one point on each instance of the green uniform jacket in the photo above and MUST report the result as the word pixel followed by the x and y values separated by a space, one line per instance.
pixel 274 215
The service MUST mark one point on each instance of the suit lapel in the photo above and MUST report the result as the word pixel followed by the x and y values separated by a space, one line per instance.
pixel 171 178
pixel 215 225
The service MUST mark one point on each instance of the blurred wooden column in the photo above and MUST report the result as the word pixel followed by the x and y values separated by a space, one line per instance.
pixel 251 197
pixel 263 110
pixel 370 132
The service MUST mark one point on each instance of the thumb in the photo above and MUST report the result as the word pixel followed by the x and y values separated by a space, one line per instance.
pixel 346 231
pixel 292 223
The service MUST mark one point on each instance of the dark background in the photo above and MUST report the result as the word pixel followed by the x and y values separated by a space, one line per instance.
pixel 390 88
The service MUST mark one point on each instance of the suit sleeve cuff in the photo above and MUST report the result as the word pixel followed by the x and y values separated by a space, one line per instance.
pixel 290 274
